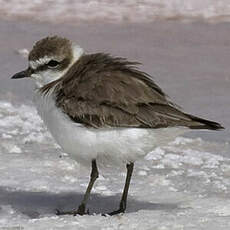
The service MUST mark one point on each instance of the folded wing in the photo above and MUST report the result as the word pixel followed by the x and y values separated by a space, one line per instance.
pixel 102 91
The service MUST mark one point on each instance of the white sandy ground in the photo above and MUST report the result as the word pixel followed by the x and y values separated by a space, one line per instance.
pixel 183 185
pixel 59 11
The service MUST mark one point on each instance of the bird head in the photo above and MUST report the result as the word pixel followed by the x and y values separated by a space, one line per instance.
pixel 49 59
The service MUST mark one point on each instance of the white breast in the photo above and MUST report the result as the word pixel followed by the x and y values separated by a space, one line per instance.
pixel 107 145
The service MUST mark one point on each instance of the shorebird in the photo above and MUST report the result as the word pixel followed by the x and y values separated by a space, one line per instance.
pixel 101 108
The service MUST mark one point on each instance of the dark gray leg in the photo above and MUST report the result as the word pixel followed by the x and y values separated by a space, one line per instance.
pixel 123 201
pixel 81 208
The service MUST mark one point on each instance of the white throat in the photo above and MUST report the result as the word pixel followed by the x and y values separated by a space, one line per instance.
pixel 44 77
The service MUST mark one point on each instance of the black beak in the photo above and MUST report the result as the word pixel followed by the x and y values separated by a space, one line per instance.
pixel 21 74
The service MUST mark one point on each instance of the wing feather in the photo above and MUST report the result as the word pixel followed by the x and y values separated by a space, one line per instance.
pixel 102 91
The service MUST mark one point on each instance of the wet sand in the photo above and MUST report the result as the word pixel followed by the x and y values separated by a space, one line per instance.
pixel 190 61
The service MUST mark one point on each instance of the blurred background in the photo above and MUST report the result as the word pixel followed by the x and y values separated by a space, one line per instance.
pixel 120 11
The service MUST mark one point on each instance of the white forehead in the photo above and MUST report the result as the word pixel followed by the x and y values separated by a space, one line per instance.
pixel 77 52
pixel 41 61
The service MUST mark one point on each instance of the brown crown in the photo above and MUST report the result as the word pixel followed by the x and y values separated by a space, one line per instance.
pixel 51 46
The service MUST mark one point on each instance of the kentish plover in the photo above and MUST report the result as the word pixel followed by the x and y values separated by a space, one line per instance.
pixel 101 108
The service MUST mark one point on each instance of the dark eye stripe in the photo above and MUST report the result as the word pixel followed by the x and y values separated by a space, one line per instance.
pixel 53 63
pixel 62 65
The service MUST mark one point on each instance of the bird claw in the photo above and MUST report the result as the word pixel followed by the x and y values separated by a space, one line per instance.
pixel 114 212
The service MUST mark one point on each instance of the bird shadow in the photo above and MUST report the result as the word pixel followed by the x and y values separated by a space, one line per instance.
pixel 38 204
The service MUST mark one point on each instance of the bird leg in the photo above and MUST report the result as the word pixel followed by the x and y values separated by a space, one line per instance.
pixel 81 209
pixel 123 201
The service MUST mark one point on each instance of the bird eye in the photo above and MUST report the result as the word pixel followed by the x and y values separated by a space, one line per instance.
pixel 53 64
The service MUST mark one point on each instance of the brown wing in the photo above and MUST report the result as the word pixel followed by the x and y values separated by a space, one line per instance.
pixel 101 91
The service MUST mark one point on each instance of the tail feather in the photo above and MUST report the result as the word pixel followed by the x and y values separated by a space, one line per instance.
pixel 204 124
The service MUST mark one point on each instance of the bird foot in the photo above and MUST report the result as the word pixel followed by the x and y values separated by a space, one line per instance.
pixel 120 210
pixel 80 211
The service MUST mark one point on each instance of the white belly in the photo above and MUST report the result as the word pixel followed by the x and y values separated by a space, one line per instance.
pixel 106 145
